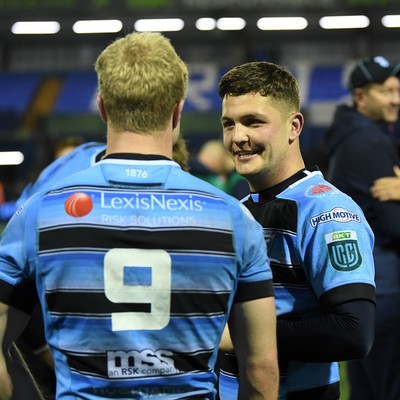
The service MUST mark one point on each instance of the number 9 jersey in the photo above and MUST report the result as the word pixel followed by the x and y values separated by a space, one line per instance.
pixel 137 264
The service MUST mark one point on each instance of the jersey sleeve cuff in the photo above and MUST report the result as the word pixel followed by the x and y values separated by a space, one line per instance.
pixel 344 293
pixel 254 290
pixel 24 296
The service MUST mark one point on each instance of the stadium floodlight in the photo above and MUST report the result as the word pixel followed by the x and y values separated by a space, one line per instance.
pixel 159 25
pixel 231 24
pixel 391 21
pixel 97 26
pixel 206 24
pixel 344 22
pixel 11 157
pixel 282 23
pixel 35 27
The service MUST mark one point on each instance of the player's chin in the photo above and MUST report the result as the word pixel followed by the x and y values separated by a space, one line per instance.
pixel 245 169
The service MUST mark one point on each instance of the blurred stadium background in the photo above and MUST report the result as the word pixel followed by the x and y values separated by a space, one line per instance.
pixel 48 86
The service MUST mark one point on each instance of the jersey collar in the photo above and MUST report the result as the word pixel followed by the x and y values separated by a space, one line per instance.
pixel 136 156
pixel 271 193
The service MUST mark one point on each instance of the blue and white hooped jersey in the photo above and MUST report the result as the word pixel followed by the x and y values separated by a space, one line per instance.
pixel 318 239
pixel 137 264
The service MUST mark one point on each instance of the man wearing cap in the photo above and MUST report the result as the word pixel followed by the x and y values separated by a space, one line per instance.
pixel 361 151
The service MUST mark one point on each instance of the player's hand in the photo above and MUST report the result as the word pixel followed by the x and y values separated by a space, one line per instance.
pixel 388 188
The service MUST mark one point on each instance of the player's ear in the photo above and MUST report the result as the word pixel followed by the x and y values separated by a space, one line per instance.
pixel 176 117
pixel 102 109
pixel 296 125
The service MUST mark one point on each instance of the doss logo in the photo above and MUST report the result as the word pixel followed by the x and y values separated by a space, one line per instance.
pixel 78 205
pixel 138 363
pixel 343 250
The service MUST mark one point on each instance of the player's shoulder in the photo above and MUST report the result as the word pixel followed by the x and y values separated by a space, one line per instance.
pixel 81 156
pixel 313 192
pixel 322 205
pixel 88 175
pixel 85 149
pixel 90 146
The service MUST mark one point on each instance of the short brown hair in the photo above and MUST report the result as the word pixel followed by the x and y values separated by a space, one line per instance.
pixel 265 78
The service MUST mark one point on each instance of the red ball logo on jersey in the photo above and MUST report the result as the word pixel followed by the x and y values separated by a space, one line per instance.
pixel 78 204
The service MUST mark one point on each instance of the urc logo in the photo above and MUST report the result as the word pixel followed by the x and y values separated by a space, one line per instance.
pixel 78 204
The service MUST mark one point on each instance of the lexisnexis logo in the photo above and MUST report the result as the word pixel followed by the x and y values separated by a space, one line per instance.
pixel 78 205
pixel 142 201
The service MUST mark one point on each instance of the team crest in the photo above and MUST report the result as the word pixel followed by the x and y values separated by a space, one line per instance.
pixel 343 250
pixel 320 190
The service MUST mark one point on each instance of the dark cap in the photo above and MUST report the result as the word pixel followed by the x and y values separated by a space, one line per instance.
pixel 372 70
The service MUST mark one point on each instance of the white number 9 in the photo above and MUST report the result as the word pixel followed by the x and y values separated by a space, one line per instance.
pixel 156 265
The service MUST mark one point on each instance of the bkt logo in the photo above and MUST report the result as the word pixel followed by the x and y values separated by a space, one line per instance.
pixel 140 201
pixel 136 363
pixel 341 236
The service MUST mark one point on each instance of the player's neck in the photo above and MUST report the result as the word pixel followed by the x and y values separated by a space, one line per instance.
pixel 159 143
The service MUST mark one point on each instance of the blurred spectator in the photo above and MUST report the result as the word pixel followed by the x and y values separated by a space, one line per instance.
pixel 361 153
pixel 387 188
pixel 181 153
pixel 64 146
pixel 209 163
pixel 214 165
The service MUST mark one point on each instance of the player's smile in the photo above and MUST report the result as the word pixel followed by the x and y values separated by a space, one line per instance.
pixel 247 155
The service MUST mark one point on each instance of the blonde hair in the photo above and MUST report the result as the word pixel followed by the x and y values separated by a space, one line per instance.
pixel 141 78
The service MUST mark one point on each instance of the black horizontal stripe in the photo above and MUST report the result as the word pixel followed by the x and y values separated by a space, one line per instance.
pixel 279 214
pixel 88 365
pixel 89 303
pixel 100 238
pixel 199 303
pixel 288 276
pixel 98 364
pixel 97 304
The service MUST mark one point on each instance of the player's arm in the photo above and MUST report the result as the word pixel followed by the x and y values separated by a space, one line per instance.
pixel 33 337
pixel 344 331
pixel 226 345
pixel 5 379
pixel 252 325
